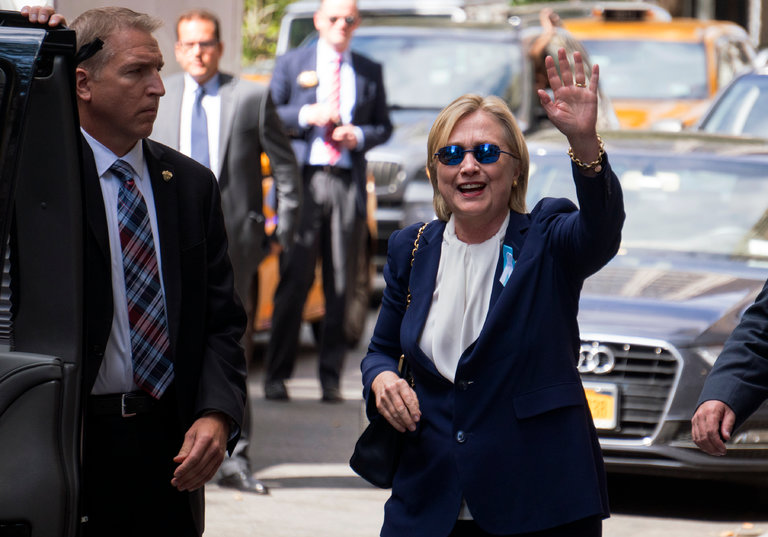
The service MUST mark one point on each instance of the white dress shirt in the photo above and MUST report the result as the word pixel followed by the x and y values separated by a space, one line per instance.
pixel 116 372
pixel 461 297
pixel 212 107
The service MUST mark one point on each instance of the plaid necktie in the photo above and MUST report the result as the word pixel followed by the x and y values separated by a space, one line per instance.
pixel 199 127
pixel 152 367
pixel 334 100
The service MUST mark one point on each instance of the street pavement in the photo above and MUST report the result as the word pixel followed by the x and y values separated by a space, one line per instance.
pixel 301 450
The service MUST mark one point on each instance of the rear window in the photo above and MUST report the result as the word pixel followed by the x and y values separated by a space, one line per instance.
pixel 633 69
pixel 743 109
pixel 423 71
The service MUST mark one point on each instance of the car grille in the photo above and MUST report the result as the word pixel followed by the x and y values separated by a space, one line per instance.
pixel 386 175
pixel 645 375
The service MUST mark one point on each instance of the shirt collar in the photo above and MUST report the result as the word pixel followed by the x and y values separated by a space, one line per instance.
pixel 327 54
pixel 104 157
pixel 211 87
pixel 449 234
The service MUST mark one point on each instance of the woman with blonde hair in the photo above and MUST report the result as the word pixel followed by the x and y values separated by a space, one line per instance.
pixel 482 303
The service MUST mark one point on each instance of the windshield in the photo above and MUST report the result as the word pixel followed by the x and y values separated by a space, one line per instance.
pixel 743 109
pixel 691 205
pixel 430 71
pixel 650 69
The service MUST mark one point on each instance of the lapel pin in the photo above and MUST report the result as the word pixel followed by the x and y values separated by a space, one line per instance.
pixel 167 175
pixel 307 79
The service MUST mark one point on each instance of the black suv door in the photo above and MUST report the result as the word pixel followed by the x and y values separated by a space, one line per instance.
pixel 41 303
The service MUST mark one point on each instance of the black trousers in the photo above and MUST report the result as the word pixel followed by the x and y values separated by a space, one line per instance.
pixel 127 470
pixel 588 527
pixel 328 227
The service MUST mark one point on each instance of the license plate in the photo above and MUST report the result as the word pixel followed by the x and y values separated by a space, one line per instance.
pixel 603 402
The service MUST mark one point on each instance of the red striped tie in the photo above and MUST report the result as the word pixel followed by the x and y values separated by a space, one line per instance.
pixel 334 101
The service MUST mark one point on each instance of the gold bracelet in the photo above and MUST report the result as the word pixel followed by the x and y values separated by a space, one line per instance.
pixel 595 164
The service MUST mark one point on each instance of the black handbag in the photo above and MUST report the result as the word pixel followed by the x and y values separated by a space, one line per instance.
pixel 377 451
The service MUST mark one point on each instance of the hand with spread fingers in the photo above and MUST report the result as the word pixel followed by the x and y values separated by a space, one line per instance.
pixel 573 106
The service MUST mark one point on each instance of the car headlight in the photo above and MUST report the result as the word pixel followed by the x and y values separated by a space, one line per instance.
pixel 709 354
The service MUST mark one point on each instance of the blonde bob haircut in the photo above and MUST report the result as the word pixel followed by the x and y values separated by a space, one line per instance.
pixel 443 127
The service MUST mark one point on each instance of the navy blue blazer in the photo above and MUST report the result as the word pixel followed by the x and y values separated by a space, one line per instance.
pixel 369 112
pixel 513 434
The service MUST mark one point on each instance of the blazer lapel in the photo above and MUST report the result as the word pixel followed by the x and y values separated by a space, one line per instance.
pixel 226 94
pixel 515 238
pixel 164 185
pixel 422 285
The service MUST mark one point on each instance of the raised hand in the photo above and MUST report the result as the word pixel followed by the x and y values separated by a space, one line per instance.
pixel 573 107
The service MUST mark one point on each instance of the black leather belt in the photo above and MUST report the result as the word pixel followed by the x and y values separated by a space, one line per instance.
pixel 121 404
pixel 333 170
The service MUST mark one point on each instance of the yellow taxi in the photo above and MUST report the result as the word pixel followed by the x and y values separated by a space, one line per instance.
pixel 661 72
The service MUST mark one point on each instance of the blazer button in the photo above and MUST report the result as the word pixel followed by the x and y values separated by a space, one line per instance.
pixel 461 437
pixel 463 385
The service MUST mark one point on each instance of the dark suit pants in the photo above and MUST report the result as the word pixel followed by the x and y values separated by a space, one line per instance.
pixel 328 227
pixel 127 471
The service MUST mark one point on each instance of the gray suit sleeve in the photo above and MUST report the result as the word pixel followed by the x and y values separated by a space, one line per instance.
pixel 285 171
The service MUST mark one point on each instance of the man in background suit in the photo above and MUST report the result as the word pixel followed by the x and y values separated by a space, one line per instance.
pixel 240 124
pixel 333 103
pixel 163 372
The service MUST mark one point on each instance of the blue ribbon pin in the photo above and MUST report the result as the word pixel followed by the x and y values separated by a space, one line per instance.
pixel 509 264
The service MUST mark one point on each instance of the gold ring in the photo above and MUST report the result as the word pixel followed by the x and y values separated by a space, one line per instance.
pixel 578 85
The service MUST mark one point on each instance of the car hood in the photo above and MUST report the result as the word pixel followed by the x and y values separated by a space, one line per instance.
pixel 668 298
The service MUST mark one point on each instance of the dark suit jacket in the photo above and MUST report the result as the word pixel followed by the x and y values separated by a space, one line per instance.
pixel 205 319
pixel 249 126
pixel 513 434
pixel 739 377
pixel 369 112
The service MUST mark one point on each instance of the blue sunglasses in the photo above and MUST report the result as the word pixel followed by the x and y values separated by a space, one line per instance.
pixel 451 155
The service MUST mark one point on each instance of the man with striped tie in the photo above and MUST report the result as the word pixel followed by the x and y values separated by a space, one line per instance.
pixel 164 374
pixel 333 104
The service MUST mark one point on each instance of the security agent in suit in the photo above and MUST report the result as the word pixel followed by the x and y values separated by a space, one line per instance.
pixel 738 382
pixel 145 458
pixel 330 141
pixel 500 440
pixel 242 123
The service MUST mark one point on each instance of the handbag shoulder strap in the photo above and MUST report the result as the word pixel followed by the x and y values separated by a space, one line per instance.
pixel 413 255
pixel 402 366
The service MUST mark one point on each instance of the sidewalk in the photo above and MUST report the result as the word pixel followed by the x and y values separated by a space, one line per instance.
pixel 313 492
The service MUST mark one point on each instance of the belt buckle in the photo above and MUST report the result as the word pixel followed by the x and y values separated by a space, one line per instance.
pixel 123 412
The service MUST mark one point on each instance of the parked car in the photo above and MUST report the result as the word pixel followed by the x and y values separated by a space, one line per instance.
pixel 662 72
pixel 694 255
pixel 741 108
pixel 297 24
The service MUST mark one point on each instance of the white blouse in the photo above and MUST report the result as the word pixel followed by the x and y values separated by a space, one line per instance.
pixel 461 298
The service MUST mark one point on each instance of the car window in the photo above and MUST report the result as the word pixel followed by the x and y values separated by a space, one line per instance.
pixel 732 60
pixel 742 109
pixel 632 69
pixel 430 73
pixel 692 205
